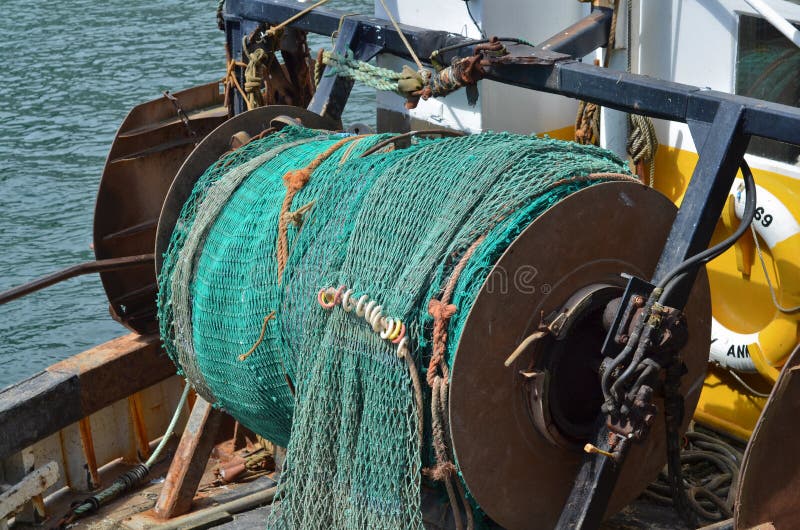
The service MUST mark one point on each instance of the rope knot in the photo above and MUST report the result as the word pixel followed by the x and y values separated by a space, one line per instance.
pixel 295 180
pixel 440 472
pixel 296 217
pixel 440 311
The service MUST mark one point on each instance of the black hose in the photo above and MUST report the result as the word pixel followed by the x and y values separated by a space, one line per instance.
pixel 711 253
pixel 674 277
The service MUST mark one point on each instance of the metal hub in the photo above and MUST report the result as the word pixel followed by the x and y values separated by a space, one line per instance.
pixel 518 467
pixel 562 381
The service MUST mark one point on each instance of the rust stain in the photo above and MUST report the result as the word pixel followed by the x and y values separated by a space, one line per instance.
pixel 139 426
pixel 64 459
pixel 102 354
pixel 85 428
pixel 38 504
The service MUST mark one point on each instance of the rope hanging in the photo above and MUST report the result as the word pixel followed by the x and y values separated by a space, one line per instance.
pixel 642 146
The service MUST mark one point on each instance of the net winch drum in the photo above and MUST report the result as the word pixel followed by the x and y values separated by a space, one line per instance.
pixel 518 431
pixel 212 147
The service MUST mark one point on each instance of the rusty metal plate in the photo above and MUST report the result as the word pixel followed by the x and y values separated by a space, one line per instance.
pixel 150 146
pixel 769 478
pixel 210 149
pixel 516 476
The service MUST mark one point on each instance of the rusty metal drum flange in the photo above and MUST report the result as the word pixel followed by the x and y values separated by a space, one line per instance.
pixel 151 144
pixel 217 143
pixel 770 473
pixel 519 477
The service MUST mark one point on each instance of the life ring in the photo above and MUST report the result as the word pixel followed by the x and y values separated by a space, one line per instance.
pixel 765 351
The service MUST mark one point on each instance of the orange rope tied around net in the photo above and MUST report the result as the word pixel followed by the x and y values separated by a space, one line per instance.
pixel 294 181
pixel 437 377
pixel 441 311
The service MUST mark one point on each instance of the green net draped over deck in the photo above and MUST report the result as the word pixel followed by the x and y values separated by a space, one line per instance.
pixel 390 226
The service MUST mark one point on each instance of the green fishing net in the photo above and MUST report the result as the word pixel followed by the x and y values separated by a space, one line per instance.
pixel 389 228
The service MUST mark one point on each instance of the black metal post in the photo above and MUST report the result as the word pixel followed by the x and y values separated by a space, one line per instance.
pixel 333 90
pixel 583 37
pixel 711 181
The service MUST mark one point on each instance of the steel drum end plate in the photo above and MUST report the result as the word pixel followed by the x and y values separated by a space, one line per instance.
pixel 209 150
pixel 517 476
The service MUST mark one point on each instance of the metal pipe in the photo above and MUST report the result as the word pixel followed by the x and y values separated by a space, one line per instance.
pixel 774 18
pixel 102 265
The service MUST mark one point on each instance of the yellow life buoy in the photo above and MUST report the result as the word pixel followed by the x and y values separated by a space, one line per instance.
pixel 765 351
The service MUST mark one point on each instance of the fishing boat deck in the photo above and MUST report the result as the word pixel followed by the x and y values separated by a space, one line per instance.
pixel 246 504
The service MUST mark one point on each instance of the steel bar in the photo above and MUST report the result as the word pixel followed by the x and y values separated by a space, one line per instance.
pixel 325 21
pixel 583 37
pixel 591 493
pixel 704 198
pixel 88 267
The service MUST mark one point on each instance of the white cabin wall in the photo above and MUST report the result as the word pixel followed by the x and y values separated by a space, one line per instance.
pixel 516 109
pixel 694 42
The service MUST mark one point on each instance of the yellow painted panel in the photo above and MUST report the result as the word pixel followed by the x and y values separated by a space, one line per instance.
pixel 740 297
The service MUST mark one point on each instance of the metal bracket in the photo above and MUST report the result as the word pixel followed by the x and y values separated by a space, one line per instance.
pixel 333 90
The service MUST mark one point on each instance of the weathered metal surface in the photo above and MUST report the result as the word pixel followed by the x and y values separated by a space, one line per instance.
pixel 33 485
pixel 209 150
pixel 553 258
pixel 583 37
pixel 151 144
pixel 116 369
pixel 189 461
pixel 770 474
pixel 37 407
pixel 76 387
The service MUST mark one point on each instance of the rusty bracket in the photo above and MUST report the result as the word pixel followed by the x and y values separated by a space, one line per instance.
pixel 189 461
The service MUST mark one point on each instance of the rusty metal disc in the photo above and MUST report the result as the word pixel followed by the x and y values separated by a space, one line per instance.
pixel 518 476
pixel 770 473
pixel 208 151
pixel 150 146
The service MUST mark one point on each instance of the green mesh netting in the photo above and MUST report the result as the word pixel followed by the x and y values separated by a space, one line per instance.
pixel 391 225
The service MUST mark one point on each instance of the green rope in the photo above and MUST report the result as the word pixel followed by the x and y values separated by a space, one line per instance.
pixel 363 72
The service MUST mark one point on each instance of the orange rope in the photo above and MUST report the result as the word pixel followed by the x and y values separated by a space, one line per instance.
pixel 294 181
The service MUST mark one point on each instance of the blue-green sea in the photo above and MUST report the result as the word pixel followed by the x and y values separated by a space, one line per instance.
pixel 70 72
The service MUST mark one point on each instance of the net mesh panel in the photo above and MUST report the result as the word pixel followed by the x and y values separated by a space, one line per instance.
pixel 391 225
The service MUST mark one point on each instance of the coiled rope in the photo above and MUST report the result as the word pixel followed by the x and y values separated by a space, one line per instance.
pixel 710 472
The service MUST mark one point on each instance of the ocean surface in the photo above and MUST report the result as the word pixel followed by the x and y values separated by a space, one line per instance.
pixel 70 73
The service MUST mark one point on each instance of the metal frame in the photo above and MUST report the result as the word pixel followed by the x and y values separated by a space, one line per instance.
pixel 552 67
